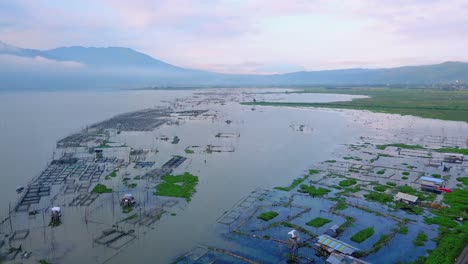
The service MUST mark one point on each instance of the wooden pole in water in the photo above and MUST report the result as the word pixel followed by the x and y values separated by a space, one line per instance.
pixel 113 210
pixel 44 226
pixel 9 216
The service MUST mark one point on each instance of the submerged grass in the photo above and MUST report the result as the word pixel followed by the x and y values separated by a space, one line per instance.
pixel 182 186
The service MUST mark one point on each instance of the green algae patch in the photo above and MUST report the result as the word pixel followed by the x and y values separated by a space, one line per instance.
pixel 293 184
pixel 101 188
pixel 318 222
pixel 267 216
pixel 362 235
pixel 182 186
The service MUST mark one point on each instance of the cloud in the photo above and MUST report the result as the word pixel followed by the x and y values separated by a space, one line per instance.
pixel 312 34
pixel 36 64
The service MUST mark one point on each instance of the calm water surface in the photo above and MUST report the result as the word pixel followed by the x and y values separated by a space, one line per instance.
pixel 268 153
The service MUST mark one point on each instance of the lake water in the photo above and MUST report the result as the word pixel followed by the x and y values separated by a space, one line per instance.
pixel 268 153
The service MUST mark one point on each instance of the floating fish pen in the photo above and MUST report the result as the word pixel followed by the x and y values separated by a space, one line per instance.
pixel 227 135
pixel 174 162
pixel 84 199
pixel 157 173
pixel 211 149
pixel 191 113
pixel 143 164
pixel 146 120
pixel 115 238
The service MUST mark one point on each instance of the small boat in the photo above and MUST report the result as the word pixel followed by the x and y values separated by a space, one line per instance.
pixel 444 190
pixel 19 189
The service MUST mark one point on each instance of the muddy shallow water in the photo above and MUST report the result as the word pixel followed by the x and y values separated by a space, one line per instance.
pixel 269 151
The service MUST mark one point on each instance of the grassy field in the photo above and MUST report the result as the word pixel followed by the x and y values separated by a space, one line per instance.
pixel 453 236
pixel 429 103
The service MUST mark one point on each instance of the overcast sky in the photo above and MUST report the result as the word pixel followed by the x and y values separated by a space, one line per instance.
pixel 251 36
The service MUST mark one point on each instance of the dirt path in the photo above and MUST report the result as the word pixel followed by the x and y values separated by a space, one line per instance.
pixel 463 258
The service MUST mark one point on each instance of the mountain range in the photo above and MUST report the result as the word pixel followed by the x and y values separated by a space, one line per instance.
pixel 116 67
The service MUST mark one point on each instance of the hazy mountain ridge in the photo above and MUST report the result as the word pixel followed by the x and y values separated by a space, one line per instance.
pixel 117 67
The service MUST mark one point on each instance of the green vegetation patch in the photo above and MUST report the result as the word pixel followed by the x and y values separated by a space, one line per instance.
pixel 101 188
pixel 330 161
pixel 441 221
pixel 380 172
pixel 436 175
pixel 399 145
pixel 182 186
pixel 362 235
pixel 403 229
pixel 449 246
pixel 453 150
pixel 404 178
pixel 318 222
pixel 267 216
pixel 340 205
pixel 313 171
pixel 113 174
pixel 391 184
pixel 383 240
pixel 453 236
pixel 410 209
pixel 312 191
pixel 189 151
pixel 354 189
pixel 380 188
pixel 463 180
pixel 348 223
pixel 429 103
pixel 132 185
pixel 420 239
pixel 347 182
pixel 405 173
pixel 293 185
pixel 378 197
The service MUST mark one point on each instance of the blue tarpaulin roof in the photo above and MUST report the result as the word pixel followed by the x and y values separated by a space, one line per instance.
pixel 336 244
pixel 431 179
